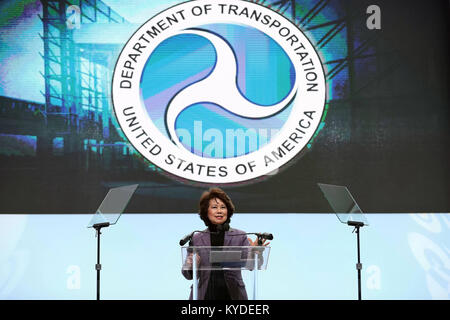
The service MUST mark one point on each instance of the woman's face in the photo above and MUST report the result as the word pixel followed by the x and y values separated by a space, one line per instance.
pixel 217 211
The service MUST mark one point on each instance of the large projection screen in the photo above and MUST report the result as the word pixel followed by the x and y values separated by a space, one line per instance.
pixel 383 132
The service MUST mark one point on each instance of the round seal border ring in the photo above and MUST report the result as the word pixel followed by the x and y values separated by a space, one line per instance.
pixel 230 163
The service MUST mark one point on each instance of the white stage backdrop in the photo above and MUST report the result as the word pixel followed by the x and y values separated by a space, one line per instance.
pixel 404 256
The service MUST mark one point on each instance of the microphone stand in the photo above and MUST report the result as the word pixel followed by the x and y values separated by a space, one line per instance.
pixel 257 257
pixel 194 262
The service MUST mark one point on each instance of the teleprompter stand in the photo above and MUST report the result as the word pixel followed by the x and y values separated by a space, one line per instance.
pixel 108 214
pixel 348 212
pixel 98 266
pixel 357 226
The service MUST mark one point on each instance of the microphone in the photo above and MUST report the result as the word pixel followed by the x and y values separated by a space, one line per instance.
pixel 187 238
pixel 265 235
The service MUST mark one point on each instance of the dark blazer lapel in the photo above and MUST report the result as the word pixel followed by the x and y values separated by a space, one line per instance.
pixel 228 238
pixel 205 239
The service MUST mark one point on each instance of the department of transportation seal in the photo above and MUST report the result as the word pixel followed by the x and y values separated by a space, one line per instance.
pixel 231 67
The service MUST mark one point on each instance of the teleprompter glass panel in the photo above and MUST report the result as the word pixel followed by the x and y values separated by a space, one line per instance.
pixel 343 203
pixel 113 205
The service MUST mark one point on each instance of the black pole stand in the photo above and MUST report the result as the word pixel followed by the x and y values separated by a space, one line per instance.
pixel 98 266
pixel 357 226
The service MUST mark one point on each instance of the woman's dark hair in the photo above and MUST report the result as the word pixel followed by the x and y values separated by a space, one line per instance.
pixel 214 193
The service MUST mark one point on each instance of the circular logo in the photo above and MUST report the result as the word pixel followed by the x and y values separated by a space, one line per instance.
pixel 219 92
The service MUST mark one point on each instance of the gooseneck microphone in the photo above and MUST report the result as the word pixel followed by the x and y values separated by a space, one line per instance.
pixel 187 238
pixel 220 228
pixel 265 235
pixel 262 236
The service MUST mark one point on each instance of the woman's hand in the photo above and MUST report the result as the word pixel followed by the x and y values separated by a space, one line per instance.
pixel 255 243
pixel 189 260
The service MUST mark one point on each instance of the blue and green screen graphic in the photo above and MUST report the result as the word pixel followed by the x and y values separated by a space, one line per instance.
pixel 384 133
pixel 265 76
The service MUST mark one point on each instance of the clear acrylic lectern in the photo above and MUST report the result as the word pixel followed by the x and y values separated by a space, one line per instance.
pixel 349 213
pixel 108 214
pixel 253 258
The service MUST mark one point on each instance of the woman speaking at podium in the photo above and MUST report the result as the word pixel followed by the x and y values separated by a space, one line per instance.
pixel 216 210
